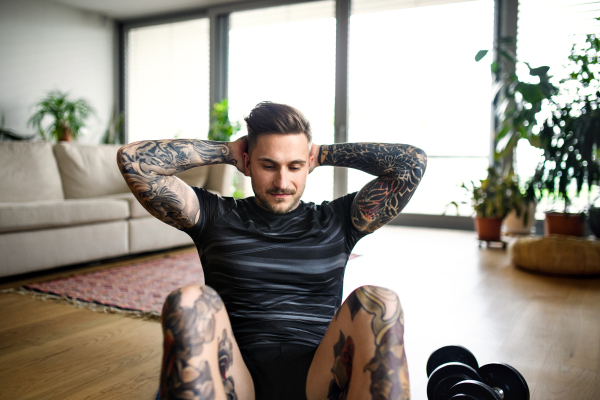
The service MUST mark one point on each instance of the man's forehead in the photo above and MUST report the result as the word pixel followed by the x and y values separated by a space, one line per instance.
pixel 272 145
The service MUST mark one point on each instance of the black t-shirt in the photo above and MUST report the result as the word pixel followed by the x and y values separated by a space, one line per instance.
pixel 279 275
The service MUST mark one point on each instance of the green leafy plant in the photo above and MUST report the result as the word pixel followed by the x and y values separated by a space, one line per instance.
pixel 570 137
pixel 220 128
pixel 517 103
pixel 495 196
pixel 68 116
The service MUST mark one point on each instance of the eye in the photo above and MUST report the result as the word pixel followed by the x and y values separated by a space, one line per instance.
pixel 267 166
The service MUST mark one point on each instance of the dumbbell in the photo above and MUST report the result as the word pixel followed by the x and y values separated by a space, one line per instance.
pixel 454 374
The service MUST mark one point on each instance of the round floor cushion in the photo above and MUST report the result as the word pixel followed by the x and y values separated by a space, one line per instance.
pixel 557 254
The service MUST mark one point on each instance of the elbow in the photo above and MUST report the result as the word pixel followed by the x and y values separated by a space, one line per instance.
pixel 125 155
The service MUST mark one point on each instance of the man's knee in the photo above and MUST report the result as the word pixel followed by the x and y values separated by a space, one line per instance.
pixel 190 304
pixel 381 303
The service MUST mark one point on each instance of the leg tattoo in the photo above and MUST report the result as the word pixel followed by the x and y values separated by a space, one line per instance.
pixel 389 374
pixel 186 330
pixel 225 360
pixel 343 352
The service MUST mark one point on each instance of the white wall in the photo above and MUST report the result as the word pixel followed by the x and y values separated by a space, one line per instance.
pixel 45 46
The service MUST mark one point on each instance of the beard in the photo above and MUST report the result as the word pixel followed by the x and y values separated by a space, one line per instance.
pixel 263 199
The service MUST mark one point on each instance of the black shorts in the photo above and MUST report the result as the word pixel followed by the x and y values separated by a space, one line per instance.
pixel 279 370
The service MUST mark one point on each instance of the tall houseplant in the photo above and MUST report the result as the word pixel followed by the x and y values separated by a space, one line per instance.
pixel 517 106
pixel 517 103
pixel 68 117
pixel 570 137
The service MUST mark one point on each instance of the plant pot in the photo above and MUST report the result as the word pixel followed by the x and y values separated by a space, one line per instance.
pixel 594 220
pixel 66 137
pixel 515 225
pixel 488 228
pixel 564 224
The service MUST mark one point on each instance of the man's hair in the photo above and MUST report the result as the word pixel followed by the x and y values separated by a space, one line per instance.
pixel 274 118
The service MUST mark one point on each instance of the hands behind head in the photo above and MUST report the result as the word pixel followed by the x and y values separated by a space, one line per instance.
pixel 314 153
pixel 238 149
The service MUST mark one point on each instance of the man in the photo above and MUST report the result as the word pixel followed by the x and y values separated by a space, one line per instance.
pixel 270 323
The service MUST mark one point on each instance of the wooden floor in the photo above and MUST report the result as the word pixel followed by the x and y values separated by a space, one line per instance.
pixel 452 293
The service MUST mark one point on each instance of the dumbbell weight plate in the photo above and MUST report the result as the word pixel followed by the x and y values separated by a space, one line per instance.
pixel 448 354
pixel 506 378
pixel 473 389
pixel 447 375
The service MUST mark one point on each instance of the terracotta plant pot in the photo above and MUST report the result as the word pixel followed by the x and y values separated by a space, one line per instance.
pixel 66 137
pixel 488 228
pixel 564 224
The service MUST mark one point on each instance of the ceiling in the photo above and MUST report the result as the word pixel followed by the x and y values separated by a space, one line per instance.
pixel 132 9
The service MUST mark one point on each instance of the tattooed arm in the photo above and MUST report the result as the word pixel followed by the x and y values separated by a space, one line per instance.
pixel 398 167
pixel 149 168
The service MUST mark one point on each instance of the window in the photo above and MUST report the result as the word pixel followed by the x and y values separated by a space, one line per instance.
pixel 167 81
pixel 286 54
pixel 413 79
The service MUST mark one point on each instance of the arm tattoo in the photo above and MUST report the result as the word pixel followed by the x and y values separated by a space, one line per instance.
pixel 186 331
pixel 399 169
pixel 389 370
pixel 148 168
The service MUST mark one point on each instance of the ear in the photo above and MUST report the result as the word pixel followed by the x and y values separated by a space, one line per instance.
pixel 246 158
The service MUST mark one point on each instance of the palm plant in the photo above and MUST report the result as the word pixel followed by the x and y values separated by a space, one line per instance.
pixel 68 116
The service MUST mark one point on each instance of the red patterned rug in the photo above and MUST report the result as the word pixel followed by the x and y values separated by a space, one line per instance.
pixel 137 289
pixel 140 287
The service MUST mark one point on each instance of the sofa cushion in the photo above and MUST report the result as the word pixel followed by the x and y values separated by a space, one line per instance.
pixel 19 216
pixel 89 170
pixel 29 172
pixel 135 208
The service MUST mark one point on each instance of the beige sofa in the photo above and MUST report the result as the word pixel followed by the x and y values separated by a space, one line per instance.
pixel 66 204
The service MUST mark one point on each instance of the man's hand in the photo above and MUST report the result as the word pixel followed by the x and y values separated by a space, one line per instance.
pixel 314 152
pixel 238 148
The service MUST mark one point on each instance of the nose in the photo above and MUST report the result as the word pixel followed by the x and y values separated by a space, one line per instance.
pixel 281 180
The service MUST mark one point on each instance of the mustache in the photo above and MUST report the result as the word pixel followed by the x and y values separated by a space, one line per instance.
pixel 279 191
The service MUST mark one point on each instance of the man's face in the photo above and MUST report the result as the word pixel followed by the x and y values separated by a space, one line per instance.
pixel 278 167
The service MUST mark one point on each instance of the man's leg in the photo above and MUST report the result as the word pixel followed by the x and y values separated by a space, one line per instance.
pixel 201 358
pixel 362 353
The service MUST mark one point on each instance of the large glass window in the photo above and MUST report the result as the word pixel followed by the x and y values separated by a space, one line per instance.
pixel 413 79
pixel 286 54
pixel 167 80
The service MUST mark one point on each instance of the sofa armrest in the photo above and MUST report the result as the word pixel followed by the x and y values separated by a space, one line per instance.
pixel 220 179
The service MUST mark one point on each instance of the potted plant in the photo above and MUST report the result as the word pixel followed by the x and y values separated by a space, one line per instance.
pixel 521 219
pixel 516 107
pixel 68 116
pixel 570 138
pixel 492 200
